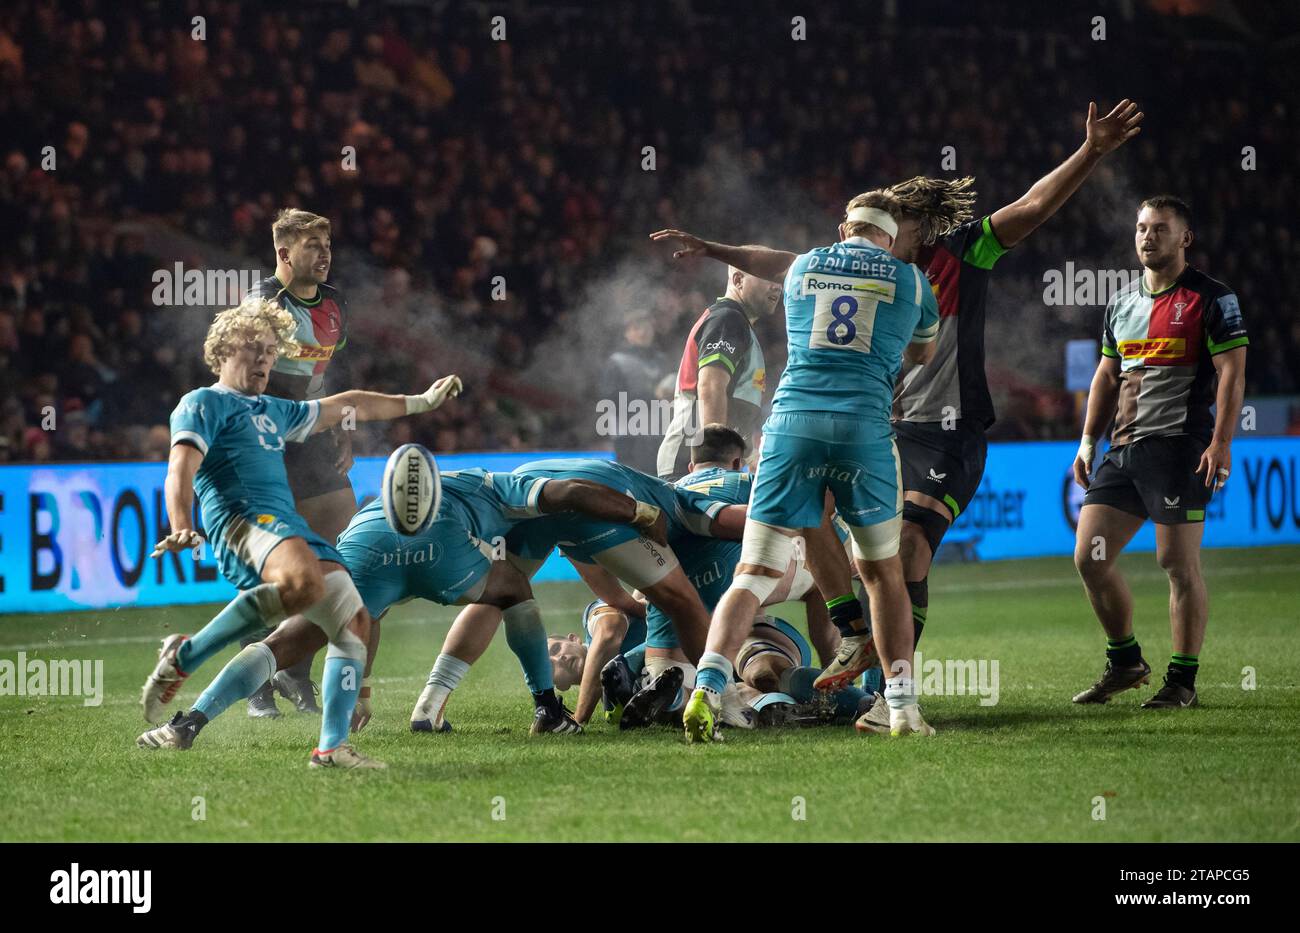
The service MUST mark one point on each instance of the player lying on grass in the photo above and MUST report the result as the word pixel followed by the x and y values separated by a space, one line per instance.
pixel 634 697
pixel 604 553
pixel 853 311
pixel 458 560
pixel 228 443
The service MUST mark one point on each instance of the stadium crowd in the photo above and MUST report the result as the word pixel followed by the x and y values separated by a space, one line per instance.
pixel 495 222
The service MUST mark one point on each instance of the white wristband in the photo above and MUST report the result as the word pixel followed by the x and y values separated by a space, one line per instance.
pixel 1087 448
pixel 646 515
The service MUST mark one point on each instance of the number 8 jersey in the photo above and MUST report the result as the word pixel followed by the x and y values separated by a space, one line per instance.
pixel 850 310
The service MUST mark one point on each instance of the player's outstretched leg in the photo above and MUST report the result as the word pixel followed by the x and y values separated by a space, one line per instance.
pixel 251 611
pixel 297 638
pixel 341 610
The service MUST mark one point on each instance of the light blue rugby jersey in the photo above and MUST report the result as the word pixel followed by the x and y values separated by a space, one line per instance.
pixel 851 308
pixel 486 504
pixel 242 439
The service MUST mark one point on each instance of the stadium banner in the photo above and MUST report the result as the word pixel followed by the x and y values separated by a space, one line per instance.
pixel 1028 503
pixel 78 536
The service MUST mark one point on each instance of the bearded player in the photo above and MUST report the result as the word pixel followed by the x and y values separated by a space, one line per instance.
pixel 1173 345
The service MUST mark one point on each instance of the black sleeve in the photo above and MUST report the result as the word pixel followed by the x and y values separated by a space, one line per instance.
pixel 723 340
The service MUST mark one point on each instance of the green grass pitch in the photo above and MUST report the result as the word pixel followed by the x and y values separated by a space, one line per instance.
pixel 1031 767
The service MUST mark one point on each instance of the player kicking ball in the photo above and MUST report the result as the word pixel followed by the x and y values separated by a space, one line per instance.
pixel 228 444
pixel 853 311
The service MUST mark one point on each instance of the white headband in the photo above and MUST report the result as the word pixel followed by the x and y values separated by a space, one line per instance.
pixel 874 215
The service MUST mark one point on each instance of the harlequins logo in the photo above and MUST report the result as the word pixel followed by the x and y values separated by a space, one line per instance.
pixel 1178 311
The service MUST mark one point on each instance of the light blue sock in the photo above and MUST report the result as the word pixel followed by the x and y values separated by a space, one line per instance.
pixel 526 636
pixel 714 672
pixel 340 687
pixel 250 612
pixel 245 672
pixel 635 658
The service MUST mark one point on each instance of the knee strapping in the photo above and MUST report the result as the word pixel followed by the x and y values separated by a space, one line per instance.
pixel 763 546
pixel 335 609
pixel 933 525
pixel 346 644
pixel 876 542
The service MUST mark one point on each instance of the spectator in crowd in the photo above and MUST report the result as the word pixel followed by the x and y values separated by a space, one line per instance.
pixel 627 387
pixel 503 179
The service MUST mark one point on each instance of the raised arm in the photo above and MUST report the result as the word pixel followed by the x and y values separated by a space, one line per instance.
pixel 761 261
pixel 1017 220
pixel 376 406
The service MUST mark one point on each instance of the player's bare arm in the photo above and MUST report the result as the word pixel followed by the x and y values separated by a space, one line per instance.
pixel 182 464
pixel 920 353
pixel 1102 398
pixel 377 406
pixel 604 504
pixel 729 523
pixel 1216 461
pixel 608 629
pixel 362 714
pixel 1017 220
pixel 605 586
pixel 761 261
pixel 711 392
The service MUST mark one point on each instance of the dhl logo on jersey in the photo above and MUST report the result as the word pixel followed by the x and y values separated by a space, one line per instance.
pixel 314 353
pixel 1154 348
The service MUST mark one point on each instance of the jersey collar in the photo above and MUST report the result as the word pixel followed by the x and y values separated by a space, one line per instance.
pixel 221 387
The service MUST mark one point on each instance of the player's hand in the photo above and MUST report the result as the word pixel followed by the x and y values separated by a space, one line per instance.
pixel 361 715
pixel 685 244
pixel 658 532
pixel 1083 461
pixel 433 397
pixel 187 539
pixel 1116 128
pixel 343 441
pixel 1216 464
pixel 1081 470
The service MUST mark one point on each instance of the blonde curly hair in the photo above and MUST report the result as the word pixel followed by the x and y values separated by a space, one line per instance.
pixel 237 325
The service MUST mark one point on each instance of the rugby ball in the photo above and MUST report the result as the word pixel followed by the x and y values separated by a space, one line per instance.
pixel 412 489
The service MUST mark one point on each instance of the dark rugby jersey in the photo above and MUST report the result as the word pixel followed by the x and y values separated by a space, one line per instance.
pixel 723 337
pixel 1165 343
pixel 953 384
pixel 321 333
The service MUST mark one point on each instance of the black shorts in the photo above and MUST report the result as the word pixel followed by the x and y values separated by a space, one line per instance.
pixel 947 465
pixel 310 466
pixel 1155 478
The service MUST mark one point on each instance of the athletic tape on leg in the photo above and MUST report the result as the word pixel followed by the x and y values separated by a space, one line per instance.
pixel 876 542
pixel 336 608
pixel 763 546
